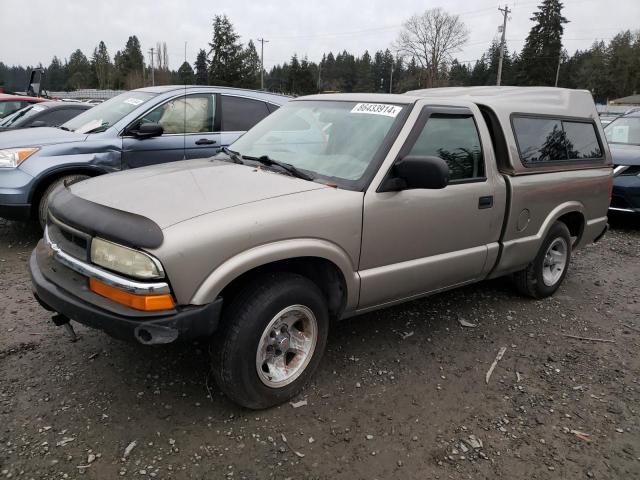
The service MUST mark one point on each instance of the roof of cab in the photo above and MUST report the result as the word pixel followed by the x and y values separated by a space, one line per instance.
pixel 360 97
pixel 504 100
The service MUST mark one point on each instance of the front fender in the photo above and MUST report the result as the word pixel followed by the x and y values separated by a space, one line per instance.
pixel 261 255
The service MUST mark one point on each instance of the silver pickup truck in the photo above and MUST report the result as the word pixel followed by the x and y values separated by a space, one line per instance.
pixel 332 206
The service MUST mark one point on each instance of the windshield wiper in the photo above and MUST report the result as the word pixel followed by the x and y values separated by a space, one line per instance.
pixel 234 156
pixel 63 128
pixel 287 167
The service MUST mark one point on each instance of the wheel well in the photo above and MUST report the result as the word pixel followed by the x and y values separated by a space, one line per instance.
pixel 324 273
pixel 44 182
pixel 575 223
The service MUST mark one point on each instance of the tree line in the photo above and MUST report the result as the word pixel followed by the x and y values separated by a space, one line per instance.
pixel 608 69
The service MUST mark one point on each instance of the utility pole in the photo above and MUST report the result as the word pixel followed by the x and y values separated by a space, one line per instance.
pixel 320 77
pixel 153 80
pixel 262 42
pixel 391 80
pixel 505 12
pixel 558 69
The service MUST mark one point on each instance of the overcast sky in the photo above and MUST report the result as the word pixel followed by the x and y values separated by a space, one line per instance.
pixel 36 30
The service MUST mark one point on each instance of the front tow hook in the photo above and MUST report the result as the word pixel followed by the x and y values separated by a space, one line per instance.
pixel 62 321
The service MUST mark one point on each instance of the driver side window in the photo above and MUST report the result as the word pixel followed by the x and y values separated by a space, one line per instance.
pixel 454 138
pixel 190 114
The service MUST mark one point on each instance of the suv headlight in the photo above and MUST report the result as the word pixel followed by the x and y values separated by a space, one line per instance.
pixel 127 261
pixel 12 157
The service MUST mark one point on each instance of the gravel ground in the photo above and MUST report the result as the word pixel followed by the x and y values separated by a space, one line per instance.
pixel 401 393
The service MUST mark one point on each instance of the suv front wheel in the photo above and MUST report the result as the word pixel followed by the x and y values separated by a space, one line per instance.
pixel 272 338
pixel 55 186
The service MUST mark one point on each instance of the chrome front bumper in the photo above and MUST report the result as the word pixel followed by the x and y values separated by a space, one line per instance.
pixel 91 271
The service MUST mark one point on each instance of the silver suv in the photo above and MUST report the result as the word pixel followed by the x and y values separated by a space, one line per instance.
pixel 332 206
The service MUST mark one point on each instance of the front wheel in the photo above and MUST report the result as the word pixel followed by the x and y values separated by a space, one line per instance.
pixel 271 341
pixel 54 187
pixel 543 276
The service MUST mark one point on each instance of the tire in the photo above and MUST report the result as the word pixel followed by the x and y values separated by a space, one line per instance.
pixel 43 206
pixel 243 366
pixel 545 274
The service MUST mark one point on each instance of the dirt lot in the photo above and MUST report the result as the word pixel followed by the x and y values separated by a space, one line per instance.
pixel 398 394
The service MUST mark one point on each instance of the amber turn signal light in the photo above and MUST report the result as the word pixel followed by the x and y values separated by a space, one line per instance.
pixel 147 303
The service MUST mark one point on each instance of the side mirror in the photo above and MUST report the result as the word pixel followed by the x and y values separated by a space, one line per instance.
pixel 38 123
pixel 148 130
pixel 413 172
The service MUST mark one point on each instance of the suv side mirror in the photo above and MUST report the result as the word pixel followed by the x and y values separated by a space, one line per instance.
pixel 413 172
pixel 148 130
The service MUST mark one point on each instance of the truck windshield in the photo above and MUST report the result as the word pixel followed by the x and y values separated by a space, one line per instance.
pixel 624 130
pixel 102 116
pixel 336 140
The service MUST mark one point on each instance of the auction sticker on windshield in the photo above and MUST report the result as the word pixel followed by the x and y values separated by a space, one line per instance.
pixel 377 109
pixel 133 101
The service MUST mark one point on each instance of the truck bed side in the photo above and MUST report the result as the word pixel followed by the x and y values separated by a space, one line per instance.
pixel 578 197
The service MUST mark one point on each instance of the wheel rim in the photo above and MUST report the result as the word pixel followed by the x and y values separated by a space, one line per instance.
pixel 555 262
pixel 286 346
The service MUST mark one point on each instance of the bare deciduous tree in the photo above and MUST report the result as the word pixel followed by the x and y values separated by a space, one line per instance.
pixel 430 39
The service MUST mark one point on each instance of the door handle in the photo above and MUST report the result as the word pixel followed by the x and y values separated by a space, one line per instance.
pixel 205 141
pixel 485 202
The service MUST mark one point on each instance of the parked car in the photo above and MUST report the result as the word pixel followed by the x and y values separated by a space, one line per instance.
pixel 393 198
pixel 623 135
pixel 137 128
pixel 42 114
pixel 13 103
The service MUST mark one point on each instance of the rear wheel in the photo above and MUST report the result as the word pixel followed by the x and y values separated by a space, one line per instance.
pixel 545 274
pixel 55 186
pixel 271 341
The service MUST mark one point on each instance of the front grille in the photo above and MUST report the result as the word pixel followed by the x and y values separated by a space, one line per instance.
pixel 70 240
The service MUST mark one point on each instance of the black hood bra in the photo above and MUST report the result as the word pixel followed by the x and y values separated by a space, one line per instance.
pixel 118 226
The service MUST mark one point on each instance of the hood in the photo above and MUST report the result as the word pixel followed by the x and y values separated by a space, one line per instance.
pixel 38 137
pixel 173 192
pixel 625 154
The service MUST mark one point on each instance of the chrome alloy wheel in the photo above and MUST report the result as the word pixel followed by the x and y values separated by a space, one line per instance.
pixel 286 346
pixel 555 262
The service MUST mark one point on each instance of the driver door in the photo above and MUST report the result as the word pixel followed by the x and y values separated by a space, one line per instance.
pixel 423 240
pixel 193 114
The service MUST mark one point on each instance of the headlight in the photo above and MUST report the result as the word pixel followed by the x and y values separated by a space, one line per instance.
pixel 12 157
pixel 127 261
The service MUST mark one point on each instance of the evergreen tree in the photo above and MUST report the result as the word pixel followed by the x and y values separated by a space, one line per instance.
pixel 129 65
pixel 459 74
pixel 250 67
pixel 364 74
pixel 79 71
pixel 225 65
pixel 201 68
pixel 56 78
pixel 185 74
pixel 541 52
pixel 101 66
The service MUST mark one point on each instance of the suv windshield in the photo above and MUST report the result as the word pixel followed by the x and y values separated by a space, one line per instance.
pixel 624 130
pixel 336 140
pixel 101 117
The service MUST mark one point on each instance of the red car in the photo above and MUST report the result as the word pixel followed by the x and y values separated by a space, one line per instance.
pixel 12 103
